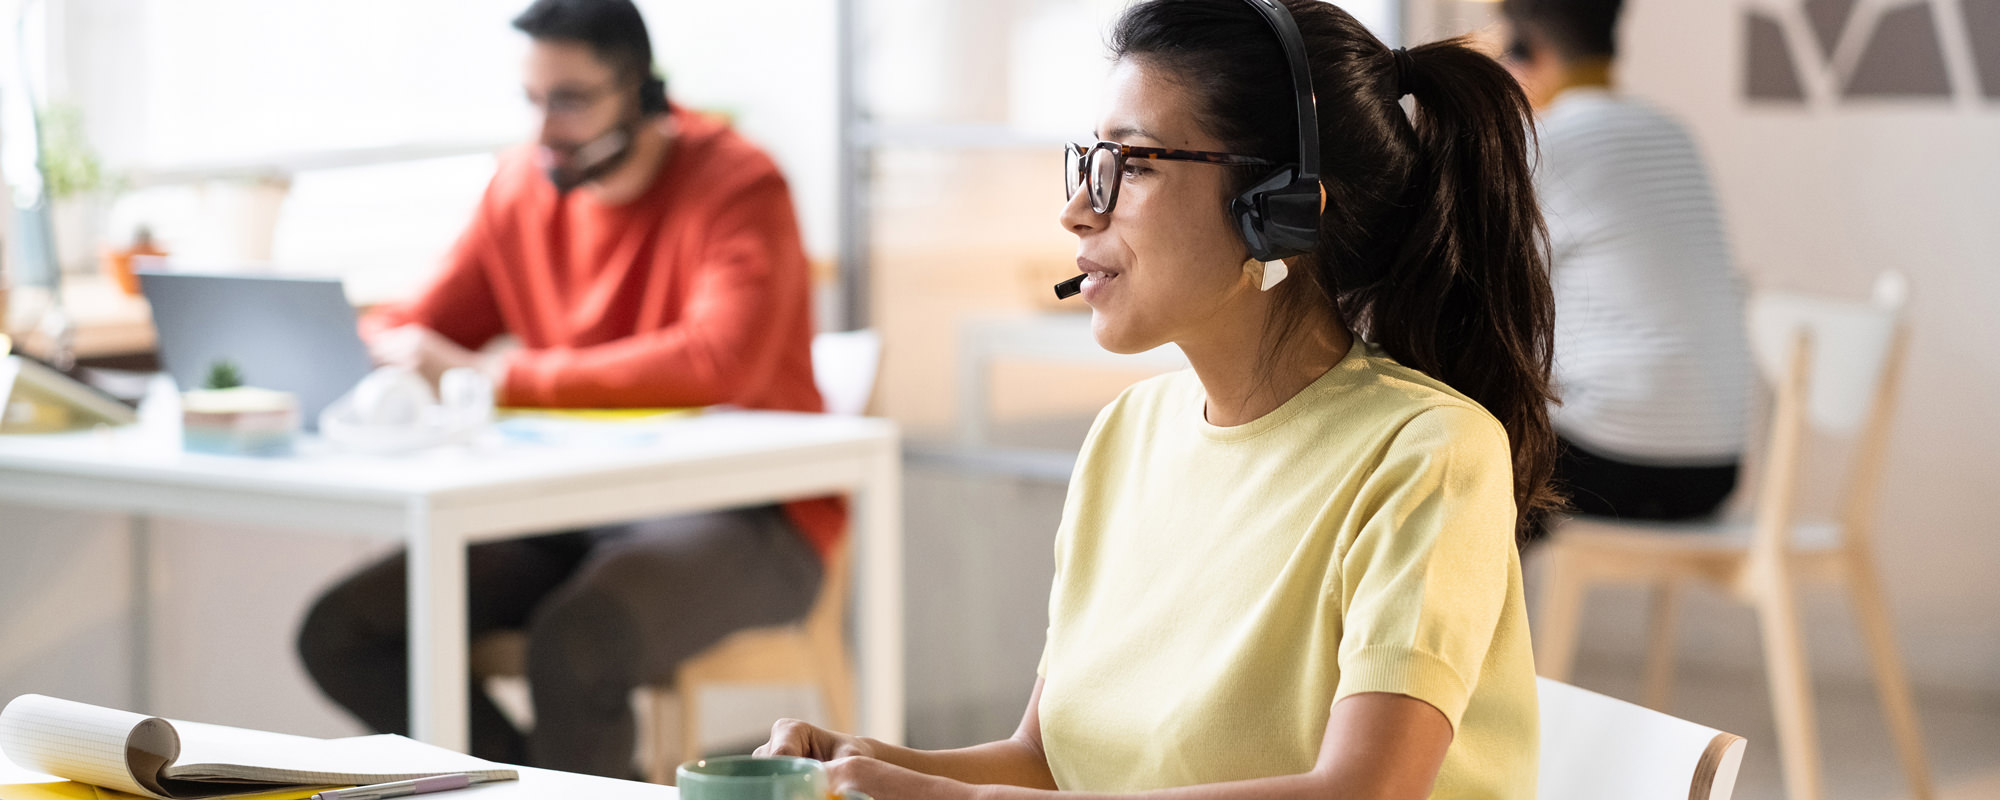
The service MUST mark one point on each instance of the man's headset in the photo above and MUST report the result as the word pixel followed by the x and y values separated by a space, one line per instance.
pixel 1279 214
pixel 652 95
pixel 652 101
pixel 594 155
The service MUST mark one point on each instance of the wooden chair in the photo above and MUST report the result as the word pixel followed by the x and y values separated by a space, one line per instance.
pixel 1595 747
pixel 811 652
pixel 1834 367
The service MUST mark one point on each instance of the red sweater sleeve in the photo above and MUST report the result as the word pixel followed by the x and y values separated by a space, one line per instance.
pixel 748 270
pixel 459 302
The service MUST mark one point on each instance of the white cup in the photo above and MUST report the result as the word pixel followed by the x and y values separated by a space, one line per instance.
pixel 467 395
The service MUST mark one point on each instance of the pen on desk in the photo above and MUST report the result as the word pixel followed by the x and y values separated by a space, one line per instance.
pixel 435 783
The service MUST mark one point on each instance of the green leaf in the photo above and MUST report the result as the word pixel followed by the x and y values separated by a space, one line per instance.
pixel 223 375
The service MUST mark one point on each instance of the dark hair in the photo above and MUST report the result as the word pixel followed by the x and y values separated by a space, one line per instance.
pixel 614 32
pixel 1431 244
pixel 1574 29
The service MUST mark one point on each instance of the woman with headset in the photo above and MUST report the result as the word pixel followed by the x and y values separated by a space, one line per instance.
pixel 1290 571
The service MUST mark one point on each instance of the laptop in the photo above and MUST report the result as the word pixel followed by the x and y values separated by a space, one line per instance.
pixel 292 334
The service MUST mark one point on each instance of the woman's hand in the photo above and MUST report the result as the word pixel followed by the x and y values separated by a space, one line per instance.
pixel 790 737
pixel 890 772
pixel 882 780
pixel 854 764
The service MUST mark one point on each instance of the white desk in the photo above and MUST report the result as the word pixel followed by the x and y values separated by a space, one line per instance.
pixel 540 784
pixel 437 502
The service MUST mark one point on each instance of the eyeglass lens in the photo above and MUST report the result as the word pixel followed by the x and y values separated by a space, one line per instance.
pixel 1103 182
pixel 1072 172
pixel 1094 169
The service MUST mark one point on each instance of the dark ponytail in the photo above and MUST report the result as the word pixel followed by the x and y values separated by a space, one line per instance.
pixel 1432 244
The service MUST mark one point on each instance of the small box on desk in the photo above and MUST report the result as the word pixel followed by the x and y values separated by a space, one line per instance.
pixel 242 421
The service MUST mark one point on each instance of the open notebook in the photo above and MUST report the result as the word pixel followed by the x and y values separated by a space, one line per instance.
pixel 153 757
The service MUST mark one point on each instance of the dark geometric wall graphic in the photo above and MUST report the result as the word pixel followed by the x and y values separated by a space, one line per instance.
pixel 1982 29
pixel 1828 18
pixel 1769 74
pixel 1902 58
pixel 1901 51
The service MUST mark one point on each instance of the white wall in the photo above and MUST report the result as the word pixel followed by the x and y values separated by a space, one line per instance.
pixel 1822 197
pixel 771 65
pixel 226 604
pixel 169 84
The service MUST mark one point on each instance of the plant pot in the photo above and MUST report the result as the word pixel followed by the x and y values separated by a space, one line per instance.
pixel 244 421
pixel 78 225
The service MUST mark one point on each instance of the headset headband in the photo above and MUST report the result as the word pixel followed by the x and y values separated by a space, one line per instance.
pixel 1281 22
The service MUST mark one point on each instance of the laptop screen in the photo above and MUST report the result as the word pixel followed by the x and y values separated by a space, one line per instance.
pixel 287 333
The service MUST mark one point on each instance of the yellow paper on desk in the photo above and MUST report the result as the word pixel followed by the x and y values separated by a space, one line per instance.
pixel 71 790
pixel 600 414
pixel 591 427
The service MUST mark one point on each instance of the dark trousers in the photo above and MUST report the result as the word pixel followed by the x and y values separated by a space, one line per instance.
pixel 605 611
pixel 1600 486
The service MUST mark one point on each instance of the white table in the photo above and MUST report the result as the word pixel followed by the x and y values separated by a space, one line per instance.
pixel 539 784
pixel 439 501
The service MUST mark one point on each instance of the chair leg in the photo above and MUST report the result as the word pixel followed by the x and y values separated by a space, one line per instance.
pixel 1872 611
pixel 1562 611
pixel 690 696
pixel 836 686
pixel 1660 651
pixel 1791 685
pixel 665 726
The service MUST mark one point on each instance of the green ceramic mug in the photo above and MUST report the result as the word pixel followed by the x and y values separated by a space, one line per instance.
pixel 757 778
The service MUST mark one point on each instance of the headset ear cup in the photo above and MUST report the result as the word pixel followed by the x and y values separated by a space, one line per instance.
pixel 1250 224
pixel 1278 216
pixel 653 96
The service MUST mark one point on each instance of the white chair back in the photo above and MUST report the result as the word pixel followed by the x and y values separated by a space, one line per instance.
pixel 844 368
pixel 1595 747
pixel 1851 344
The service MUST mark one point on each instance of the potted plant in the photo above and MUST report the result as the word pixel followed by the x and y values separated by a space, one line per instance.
pixel 75 183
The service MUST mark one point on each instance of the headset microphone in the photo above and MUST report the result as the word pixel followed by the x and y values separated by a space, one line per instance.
pixel 590 160
pixel 1070 288
pixel 602 148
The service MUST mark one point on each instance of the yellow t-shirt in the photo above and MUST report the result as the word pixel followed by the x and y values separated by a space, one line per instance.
pixel 1218 589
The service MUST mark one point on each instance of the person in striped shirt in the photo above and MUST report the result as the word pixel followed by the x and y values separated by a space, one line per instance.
pixel 1651 359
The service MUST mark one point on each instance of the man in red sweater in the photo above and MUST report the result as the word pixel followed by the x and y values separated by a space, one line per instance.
pixel 643 256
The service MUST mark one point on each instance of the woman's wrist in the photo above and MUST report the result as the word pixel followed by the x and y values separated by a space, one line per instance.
pixel 985 791
pixel 905 757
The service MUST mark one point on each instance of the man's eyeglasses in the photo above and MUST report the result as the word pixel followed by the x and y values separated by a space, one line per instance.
pixel 572 102
pixel 1101 166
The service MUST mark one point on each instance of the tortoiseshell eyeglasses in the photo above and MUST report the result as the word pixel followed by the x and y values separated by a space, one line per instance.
pixel 1101 166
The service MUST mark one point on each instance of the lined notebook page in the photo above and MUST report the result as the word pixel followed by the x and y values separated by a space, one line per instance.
pixel 152 757
pixel 78 741
pixel 218 752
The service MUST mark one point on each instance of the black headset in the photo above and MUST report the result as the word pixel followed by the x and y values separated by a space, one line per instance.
pixel 1279 215
pixel 652 95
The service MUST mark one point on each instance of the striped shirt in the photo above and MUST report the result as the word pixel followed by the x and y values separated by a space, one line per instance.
pixel 1650 352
